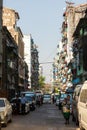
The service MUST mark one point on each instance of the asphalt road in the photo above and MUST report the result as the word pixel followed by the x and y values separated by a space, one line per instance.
pixel 47 117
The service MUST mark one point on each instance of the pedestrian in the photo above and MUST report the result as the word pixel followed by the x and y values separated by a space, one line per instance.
pixel 53 100
pixel 41 99
pixel 38 100
pixel 17 101
pixel 66 109
pixel 23 102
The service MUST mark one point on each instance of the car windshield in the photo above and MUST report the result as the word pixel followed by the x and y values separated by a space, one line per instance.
pixel 30 94
pixel 29 98
pixel 47 96
pixel 63 96
pixel 2 104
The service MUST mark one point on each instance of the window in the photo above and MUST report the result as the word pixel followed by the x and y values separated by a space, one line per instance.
pixel 83 96
pixel 2 104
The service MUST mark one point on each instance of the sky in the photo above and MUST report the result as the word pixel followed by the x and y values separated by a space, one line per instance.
pixel 42 19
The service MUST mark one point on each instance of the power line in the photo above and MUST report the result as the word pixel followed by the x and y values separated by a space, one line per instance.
pixel 50 54
pixel 46 63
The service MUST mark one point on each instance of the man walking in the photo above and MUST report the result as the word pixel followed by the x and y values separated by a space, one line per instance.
pixel 23 102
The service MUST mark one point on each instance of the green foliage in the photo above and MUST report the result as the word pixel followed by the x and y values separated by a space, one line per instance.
pixel 41 81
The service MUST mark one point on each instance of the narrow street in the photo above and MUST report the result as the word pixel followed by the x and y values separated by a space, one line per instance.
pixel 47 117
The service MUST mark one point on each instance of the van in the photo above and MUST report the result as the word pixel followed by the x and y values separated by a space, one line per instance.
pixel 76 94
pixel 82 107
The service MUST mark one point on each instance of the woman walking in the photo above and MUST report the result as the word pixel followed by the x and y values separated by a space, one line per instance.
pixel 66 109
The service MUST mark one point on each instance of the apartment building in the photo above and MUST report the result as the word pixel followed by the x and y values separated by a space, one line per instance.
pixel 9 65
pixel 34 65
pixel 32 59
pixel 80 51
pixel 10 18
pixel 72 16
pixel 66 68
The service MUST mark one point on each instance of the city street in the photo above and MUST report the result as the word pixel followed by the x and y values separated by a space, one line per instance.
pixel 46 117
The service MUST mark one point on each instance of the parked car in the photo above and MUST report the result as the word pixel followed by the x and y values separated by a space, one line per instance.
pixel 82 107
pixel 31 101
pixel 0 122
pixel 47 98
pixel 75 102
pixel 56 96
pixel 57 102
pixel 5 111
pixel 14 106
pixel 31 98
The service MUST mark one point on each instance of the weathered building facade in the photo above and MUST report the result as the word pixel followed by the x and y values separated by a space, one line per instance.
pixel 80 50
pixel 66 64
pixel 34 66
pixel 10 18
pixel 32 59
pixel 9 65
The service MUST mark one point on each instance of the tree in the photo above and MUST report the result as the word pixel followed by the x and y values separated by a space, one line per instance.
pixel 41 81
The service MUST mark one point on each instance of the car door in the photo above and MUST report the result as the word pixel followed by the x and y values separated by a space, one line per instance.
pixel 84 111
pixel 82 106
pixel 8 109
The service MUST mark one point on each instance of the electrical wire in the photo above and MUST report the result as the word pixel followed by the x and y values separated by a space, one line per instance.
pixel 44 62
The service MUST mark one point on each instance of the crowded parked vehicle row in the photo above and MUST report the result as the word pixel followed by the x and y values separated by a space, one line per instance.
pixel 20 104
pixel 71 104
pixel 61 102
pixel 77 107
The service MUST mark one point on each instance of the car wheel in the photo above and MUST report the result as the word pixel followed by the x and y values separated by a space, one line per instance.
pixel 10 119
pixel 0 125
pixel 80 126
pixel 6 121
pixel 77 122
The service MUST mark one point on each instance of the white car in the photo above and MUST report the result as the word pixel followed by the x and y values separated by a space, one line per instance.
pixel 82 107
pixel 47 98
pixel 57 102
pixel 5 111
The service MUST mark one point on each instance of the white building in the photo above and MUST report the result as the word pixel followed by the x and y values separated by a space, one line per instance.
pixel 41 70
pixel 27 54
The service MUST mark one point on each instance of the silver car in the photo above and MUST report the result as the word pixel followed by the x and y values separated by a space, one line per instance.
pixel 5 111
